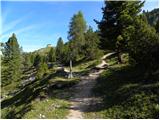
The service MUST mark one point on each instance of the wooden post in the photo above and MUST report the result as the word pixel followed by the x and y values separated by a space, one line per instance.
pixel 70 75
pixel 71 69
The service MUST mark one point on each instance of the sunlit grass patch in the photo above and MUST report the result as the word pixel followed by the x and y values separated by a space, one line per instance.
pixel 85 65
pixel 48 109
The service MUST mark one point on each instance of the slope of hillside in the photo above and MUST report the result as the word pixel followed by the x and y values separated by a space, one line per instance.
pixel 43 51
pixel 45 98
pixel 126 92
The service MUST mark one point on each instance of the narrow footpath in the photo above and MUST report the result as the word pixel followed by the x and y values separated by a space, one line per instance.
pixel 83 96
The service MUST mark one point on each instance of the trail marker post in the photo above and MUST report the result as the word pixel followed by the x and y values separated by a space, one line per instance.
pixel 70 74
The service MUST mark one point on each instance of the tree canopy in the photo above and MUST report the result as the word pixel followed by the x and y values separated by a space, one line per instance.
pixel 12 60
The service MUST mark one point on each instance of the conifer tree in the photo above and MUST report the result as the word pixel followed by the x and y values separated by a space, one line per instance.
pixel 77 28
pixel 32 57
pixel 59 50
pixel 66 54
pixel 143 45
pixel 12 60
pixel 51 55
pixel 117 17
pixel 91 49
pixel 41 70
pixel 27 60
pixel 37 60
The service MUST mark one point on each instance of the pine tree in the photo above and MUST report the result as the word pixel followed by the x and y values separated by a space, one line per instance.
pixel 59 50
pixel 152 16
pixel 32 57
pixel 76 36
pixel 66 54
pixel 12 60
pixel 37 60
pixel 91 45
pixel 41 70
pixel 27 60
pixel 143 45
pixel 117 17
pixel 51 55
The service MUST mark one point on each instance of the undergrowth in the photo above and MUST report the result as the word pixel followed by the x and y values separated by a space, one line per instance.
pixel 126 94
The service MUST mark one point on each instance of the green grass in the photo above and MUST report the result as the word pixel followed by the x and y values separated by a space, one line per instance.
pixel 50 108
pixel 126 94
pixel 125 91
pixel 85 65
pixel 27 102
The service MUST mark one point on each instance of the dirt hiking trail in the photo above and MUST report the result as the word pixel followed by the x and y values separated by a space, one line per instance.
pixel 83 96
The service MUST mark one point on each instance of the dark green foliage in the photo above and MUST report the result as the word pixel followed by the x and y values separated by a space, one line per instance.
pixel 152 16
pixel 32 56
pixel 37 60
pixel 40 62
pixel 12 61
pixel 126 95
pixel 108 26
pixel 51 55
pixel 59 50
pixel 143 45
pixel 27 60
pixel 118 16
pixel 157 26
pixel 123 28
pixel 41 70
pixel 91 49
pixel 66 54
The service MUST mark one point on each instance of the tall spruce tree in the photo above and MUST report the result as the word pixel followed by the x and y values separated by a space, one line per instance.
pixel 117 17
pixel 91 49
pixel 59 50
pixel 51 55
pixel 27 60
pixel 66 54
pixel 37 60
pixel 41 70
pixel 77 28
pixel 143 45
pixel 12 60
pixel 32 57
pixel 157 27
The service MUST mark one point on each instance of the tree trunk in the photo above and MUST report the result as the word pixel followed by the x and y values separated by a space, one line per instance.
pixel 70 74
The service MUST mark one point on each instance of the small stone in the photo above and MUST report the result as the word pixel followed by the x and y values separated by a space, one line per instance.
pixel 43 116
pixel 40 115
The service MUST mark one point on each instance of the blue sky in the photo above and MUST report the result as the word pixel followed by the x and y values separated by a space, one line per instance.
pixel 37 24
